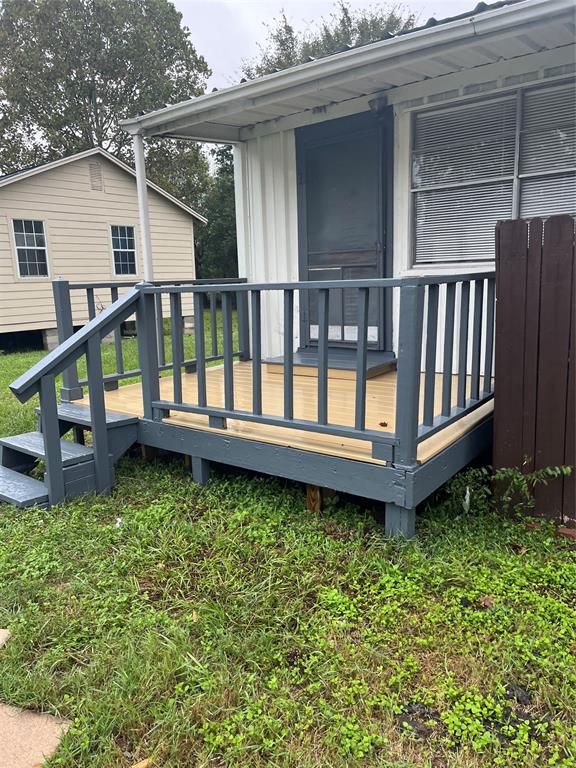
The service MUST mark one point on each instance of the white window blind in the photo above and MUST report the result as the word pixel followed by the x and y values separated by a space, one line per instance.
pixel 476 163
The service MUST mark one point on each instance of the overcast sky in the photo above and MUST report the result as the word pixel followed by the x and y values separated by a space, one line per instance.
pixel 227 31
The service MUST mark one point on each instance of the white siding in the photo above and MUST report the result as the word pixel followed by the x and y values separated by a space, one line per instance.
pixel 267 231
pixel 77 223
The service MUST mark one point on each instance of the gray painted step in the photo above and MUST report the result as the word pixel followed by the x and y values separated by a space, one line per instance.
pixel 80 414
pixel 32 443
pixel 21 490
pixel 342 359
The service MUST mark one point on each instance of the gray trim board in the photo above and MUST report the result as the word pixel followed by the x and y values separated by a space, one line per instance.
pixel 428 477
pixel 372 481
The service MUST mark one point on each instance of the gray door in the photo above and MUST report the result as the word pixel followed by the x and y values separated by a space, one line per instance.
pixel 341 221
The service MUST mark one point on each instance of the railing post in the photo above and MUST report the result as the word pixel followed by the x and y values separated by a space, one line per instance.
pixel 148 352
pixel 61 291
pixel 51 434
pixel 408 380
pixel 243 325
pixel 102 465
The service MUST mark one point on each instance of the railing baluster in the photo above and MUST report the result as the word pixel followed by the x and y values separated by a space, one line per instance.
pixel 361 358
pixel 214 324
pixel 448 349
pixel 477 339
pixel 117 336
pixel 228 351
pixel 243 325
pixel 408 378
pixel 51 434
pixel 177 344
pixel 91 303
pixel 288 354
pixel 430 360
pixel 256 353
pixel 490 311
pixel 463 344
pixel 200 347
pixel 323 320
pixel 160 329
pixel 102 465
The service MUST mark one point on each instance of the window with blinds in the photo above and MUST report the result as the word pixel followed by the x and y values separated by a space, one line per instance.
pixel 477 163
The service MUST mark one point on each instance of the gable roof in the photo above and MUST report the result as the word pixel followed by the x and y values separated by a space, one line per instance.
pixel 26 173
pixel 490 34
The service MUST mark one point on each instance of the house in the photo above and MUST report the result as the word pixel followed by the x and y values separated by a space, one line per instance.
pixel 368 187
pixel 77 218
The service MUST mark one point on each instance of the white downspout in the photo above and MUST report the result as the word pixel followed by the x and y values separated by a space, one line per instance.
pixel 138 144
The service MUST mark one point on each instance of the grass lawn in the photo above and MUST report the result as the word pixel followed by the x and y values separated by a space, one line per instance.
pixel 228 626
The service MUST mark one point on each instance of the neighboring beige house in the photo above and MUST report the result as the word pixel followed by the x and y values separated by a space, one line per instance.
pixel 77 218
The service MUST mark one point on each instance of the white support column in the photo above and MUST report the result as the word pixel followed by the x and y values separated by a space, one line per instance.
pixel 138 143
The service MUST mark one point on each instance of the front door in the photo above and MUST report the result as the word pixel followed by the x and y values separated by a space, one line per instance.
pixel 342 221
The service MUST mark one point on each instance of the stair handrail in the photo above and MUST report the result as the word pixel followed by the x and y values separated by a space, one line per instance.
pixel 41 379
pixel 28 384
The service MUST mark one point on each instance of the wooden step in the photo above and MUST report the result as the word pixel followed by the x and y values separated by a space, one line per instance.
pixel 32 443
pixel 80 415
pixel 341 363
pixel 21 490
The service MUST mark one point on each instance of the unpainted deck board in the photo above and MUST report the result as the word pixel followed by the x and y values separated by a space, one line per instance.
pixel 380 410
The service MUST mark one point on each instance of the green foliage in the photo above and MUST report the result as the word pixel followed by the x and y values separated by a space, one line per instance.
pixel 517 487
pixel 285 46
pixel 216 249
pixel 71 69
pixel 230 626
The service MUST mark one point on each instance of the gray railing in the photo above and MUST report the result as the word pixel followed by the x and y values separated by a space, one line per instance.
pixel 89 299
pixel 416 295
pixel 462 385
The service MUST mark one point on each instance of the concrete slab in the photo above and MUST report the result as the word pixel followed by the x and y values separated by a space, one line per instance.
pixel 4 636
pixel 27 739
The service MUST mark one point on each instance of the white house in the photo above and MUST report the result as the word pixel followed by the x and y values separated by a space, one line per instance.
pixel 396 156
pixel 77 218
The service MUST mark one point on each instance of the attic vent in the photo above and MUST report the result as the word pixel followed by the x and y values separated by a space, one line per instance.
pixel 96 179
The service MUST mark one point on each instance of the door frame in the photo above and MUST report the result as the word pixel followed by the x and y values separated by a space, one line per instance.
pixel 331 131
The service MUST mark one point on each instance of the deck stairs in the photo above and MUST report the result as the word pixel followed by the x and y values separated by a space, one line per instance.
pixel 20 455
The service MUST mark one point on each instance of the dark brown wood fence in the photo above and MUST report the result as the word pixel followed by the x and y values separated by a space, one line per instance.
pixel 535 393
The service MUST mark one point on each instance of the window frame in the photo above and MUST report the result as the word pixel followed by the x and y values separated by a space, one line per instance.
pixel 15 247
pixel 113 250
pixel 517 178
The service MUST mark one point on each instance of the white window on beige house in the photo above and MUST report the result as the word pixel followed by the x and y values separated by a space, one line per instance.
pixel 30 242
pixel 124 249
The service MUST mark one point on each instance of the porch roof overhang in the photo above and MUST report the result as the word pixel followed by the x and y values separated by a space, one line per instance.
pixel 485 37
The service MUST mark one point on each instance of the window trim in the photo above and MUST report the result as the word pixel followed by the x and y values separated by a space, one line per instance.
pixel 518 94
pixel 28 217
pixel 112 250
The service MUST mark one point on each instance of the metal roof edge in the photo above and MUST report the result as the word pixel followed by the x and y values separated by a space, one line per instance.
pixel 469 26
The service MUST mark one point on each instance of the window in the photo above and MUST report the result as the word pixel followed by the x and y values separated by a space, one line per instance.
pixel 124 248
pixel 476 163
pixel 30 244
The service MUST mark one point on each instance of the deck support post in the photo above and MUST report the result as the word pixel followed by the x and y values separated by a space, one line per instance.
pixel 399 521
pixel 200 470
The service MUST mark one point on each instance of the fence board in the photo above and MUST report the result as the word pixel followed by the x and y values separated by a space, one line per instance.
pixel 535 405
pixel 511 240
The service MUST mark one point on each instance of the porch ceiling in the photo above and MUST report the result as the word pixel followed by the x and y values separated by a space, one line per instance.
pixel 482 38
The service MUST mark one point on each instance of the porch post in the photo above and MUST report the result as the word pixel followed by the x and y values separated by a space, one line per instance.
pixel 138 144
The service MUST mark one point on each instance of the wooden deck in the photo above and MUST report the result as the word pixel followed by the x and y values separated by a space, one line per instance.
pixel 380 414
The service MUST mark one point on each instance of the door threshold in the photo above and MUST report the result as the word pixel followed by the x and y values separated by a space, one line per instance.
pixel 341 362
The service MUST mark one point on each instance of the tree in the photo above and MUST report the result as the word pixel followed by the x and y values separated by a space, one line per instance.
pixel 216 249
pixel 71 69
pixel 286 47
